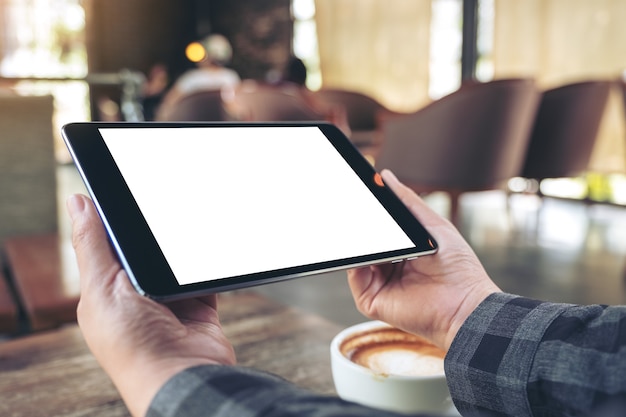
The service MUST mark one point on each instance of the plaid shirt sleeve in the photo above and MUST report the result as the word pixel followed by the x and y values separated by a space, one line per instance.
pixel 512 357
pixel 520 357
pixel 231 391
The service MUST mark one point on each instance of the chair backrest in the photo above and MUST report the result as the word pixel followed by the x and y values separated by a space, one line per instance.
pixel 201 106
pixel 623 88
pixel 565 130
pixel 473 139
pixel 361 110
pixel 28 187
pixel 271 104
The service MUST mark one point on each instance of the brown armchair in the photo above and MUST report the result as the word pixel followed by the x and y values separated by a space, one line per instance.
pixel 474 139
pixel 363 113
pixel 258 102
pixel 565 130
pixel 252 101
pixel 196 107
pixel 623 88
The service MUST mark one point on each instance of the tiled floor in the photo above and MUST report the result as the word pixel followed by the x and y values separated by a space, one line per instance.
pixel 556 250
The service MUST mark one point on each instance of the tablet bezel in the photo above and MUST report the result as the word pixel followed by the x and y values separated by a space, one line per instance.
pixel 138 250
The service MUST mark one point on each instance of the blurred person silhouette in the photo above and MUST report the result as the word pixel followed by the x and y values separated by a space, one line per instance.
pixel 293 80
pixel 154 89
pixel 292 74
pixel 211 72
pixel 295 73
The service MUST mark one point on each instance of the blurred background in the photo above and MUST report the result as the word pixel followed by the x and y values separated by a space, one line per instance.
pixel 113 59
pixel 405 53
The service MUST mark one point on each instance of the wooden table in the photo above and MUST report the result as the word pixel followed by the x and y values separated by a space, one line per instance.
pixel 44 273
pixel 53 374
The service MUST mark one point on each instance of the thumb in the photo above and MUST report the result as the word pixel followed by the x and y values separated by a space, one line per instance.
pixel 416 205
pixel 94 254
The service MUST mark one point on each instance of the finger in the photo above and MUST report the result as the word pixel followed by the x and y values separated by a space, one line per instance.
pixel 369 279
pixel 359 279
pixel 360 282
pixel 93 252
pixel 199 310
pixel 414 203
pixel 365 284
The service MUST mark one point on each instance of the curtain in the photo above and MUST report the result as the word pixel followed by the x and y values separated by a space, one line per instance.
pixel 562 41
pixel 377 47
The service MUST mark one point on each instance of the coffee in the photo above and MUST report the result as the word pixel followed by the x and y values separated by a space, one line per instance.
pixel 390 351
pixel 380 366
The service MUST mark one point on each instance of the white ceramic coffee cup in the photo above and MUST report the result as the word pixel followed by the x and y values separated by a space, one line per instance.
pixel 399 393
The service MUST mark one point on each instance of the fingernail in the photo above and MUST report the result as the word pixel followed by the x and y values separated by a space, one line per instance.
pixel 388 174
pixel 75 205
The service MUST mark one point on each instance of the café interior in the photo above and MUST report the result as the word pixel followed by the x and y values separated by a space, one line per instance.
pixel 507 117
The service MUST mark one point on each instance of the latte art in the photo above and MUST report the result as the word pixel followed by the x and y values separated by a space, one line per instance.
pixel 390 351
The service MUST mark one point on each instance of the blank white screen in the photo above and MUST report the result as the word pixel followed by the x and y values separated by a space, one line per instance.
pixel 229 201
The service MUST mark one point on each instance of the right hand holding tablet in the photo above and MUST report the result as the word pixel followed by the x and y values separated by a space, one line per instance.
pixel 432 295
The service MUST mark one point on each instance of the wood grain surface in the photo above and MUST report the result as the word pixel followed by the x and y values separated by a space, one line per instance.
pixel 53 373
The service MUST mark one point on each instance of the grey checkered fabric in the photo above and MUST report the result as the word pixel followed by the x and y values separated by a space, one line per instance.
pixel 513 357
pixel 242 392
pixel 520 357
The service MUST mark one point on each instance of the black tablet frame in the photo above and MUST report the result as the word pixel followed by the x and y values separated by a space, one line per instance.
pixel 139 252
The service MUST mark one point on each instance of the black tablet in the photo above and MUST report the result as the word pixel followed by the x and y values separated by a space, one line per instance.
pixel 194 208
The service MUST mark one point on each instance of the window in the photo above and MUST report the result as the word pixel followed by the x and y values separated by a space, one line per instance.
pixel 305 40
pixel 44 39
pixel 445 43
pixel 445 47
